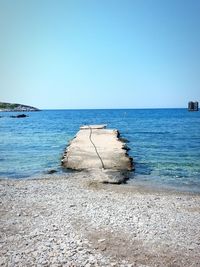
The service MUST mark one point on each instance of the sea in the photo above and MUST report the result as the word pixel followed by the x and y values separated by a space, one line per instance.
pixel 164 143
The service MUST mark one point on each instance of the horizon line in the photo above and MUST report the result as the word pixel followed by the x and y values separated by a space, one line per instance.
pixel 111 108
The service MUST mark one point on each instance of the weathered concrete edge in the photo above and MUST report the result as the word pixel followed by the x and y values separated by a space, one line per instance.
pixel 107 175
pixel 120 139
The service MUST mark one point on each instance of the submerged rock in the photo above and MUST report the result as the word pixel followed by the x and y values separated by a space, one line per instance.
pixel 51 171
pixel 19 116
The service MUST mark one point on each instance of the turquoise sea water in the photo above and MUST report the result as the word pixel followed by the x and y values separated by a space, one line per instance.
pixel 165 143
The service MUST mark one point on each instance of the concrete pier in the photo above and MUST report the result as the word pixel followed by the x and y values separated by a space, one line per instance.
pixel 99 151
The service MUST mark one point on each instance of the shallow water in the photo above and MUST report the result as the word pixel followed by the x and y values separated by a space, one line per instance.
pixel 165 143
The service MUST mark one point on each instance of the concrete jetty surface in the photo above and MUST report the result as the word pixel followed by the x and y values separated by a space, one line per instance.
pixel 99 151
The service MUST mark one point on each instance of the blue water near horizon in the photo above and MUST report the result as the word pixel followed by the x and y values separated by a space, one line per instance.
pixel 165 143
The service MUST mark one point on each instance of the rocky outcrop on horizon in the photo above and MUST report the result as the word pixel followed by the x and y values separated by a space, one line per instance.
pixel 16 107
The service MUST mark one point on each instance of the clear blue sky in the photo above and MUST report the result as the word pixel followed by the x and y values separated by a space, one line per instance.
pixel 100 53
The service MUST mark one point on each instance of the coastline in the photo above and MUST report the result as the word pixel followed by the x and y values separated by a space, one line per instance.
pixel 60 220
pixel 46 134
pixel 15 107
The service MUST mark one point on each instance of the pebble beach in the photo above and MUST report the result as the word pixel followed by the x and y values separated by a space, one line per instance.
pixel 72 220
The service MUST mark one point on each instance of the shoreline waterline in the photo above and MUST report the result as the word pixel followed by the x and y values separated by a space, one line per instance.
pixel 129 184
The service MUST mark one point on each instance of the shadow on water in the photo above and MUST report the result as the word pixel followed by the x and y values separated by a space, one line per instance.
pixel 141 169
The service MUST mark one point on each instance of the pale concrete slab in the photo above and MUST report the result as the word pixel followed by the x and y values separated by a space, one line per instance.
pixel 96 126
pixel 97 148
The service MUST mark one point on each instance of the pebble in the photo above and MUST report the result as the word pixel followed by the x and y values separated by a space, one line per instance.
pixel 101 240
pixel 74 219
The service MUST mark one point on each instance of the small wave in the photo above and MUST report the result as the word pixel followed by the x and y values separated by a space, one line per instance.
pixel 151 132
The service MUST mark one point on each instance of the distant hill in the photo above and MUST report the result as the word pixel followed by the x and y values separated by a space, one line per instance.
pixel 16 107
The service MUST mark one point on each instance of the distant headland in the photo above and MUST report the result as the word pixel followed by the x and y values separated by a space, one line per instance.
pixel 16 107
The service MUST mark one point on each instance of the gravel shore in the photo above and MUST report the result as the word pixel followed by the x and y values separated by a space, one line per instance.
pixel 71 220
